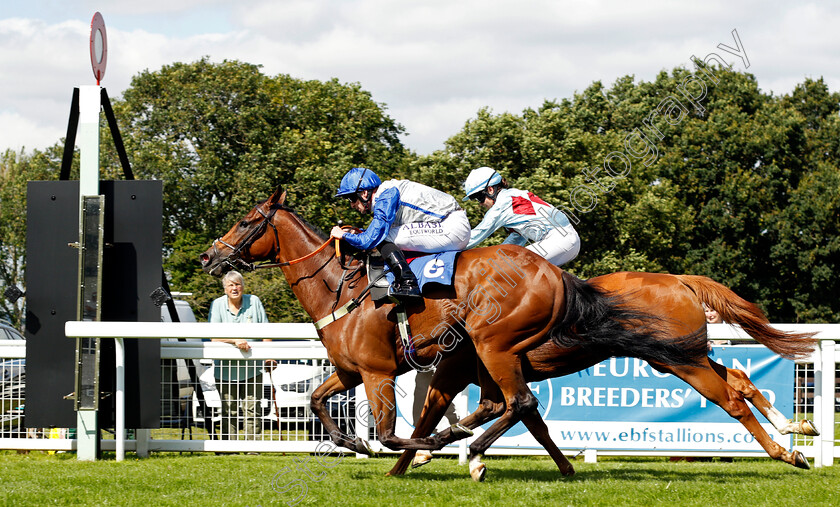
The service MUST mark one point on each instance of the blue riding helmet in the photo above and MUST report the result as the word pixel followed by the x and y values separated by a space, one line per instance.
pixel 358 178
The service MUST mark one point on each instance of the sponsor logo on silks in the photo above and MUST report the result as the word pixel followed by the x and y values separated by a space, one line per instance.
pixel 422 225
pixel 423 228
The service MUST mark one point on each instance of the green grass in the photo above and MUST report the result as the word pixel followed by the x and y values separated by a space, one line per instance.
pixel 208 479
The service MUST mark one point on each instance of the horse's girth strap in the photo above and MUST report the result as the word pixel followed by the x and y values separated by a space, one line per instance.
pixel 334 316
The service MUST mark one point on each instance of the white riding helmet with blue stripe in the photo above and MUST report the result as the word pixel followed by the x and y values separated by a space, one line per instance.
pixel 479 179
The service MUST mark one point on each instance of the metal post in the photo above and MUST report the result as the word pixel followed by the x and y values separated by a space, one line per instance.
pixel 87 414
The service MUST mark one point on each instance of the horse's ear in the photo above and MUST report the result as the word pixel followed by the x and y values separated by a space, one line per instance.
pixel 278 197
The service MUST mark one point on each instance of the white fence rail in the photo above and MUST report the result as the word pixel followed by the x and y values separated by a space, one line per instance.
pixel 816 391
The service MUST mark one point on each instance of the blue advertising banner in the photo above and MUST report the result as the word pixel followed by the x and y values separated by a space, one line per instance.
pixel 623 404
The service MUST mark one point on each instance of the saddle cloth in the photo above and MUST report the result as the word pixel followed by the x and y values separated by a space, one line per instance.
pixel 428 268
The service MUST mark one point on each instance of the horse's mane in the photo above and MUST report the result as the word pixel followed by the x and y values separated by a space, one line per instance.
pixel 317 230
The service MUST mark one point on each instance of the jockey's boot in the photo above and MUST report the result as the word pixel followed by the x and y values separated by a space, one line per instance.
pixel 405 283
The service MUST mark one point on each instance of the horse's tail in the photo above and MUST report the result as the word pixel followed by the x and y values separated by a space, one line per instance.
pixel 598 319
pixel 736 310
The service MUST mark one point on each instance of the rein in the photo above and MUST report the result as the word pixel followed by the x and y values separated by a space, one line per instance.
pixel 300 259
pixel 235 260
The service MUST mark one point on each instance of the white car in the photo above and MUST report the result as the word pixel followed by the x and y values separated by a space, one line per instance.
pixel 287 389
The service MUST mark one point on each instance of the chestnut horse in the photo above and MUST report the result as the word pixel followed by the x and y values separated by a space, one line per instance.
pixel 677 300
pixel 506 300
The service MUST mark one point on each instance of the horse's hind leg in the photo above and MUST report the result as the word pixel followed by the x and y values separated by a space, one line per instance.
pixel 506 371
pixel 710 384
pixel 742 383
pixel 533 421
pixel 490 406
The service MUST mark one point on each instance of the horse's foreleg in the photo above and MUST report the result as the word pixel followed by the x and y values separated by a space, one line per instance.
pixel 435 407
pixel 742 383
pixel 711 385
pixel 446 383
pixel 334 384
pixel 380 391
pixel 490 406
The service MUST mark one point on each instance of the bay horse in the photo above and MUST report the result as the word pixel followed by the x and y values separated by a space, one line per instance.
pixel 676 299
pixel 505 301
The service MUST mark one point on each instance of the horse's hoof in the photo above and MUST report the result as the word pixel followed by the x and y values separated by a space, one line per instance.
pixel 478 472
pixel 806 427
pixel 569 471
pixel 460 431
pixel 362 447
pixel 800 461
pixel 421 458
pixel 477 469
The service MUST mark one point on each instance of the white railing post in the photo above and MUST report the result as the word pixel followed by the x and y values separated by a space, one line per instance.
pixel 824 404
pixel 119 399
pixel 362 422
pixel 462 401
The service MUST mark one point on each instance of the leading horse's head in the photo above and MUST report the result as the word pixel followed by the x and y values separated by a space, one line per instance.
pixel 247 241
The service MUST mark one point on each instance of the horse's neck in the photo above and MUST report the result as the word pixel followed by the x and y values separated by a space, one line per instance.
pixel 313 280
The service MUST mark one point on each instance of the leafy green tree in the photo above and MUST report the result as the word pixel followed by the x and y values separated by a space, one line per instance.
pixel 729 191
pixel 735 183
pixel 806 250
pixel 222 136
pixel 16 169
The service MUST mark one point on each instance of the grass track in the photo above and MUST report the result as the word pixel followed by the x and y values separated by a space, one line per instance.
pixel 207 480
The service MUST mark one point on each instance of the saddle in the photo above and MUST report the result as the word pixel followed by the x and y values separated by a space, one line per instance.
pixel 428 268
pixel 377 278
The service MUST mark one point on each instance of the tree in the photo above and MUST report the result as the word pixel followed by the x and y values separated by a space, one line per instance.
pixel 15 170
pixel 222 136
pixel 727 186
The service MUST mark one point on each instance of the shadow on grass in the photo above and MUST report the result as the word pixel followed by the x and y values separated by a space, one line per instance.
pixel 629 472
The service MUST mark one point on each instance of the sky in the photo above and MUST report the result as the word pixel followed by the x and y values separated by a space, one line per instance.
pixel 432 63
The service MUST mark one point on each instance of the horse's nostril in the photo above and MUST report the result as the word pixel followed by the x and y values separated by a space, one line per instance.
pixel 204 258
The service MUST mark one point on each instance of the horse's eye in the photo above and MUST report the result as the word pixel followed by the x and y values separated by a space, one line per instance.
pixel 243 223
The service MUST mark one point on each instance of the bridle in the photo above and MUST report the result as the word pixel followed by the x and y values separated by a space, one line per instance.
pixel 234 260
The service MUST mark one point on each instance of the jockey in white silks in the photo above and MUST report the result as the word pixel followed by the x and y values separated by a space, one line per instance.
pixel 531 221
pixel 406 216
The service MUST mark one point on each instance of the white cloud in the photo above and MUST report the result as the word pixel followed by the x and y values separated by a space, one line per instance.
pixel 434 63
pixel 17 131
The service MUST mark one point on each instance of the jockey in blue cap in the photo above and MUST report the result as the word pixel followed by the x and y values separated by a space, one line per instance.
pixel 406 216
pixel 527 217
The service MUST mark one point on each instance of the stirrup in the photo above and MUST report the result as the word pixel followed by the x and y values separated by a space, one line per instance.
pixel 406 289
